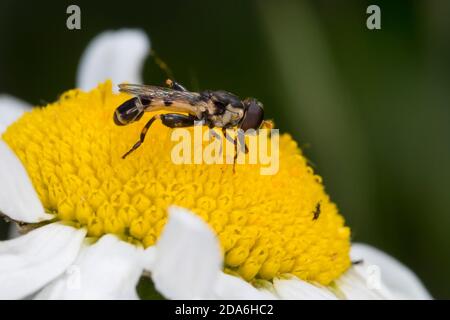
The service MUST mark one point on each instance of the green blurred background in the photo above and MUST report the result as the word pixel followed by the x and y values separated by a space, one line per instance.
pixel 369 108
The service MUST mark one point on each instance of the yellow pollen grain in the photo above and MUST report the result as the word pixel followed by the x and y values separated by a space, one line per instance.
pixel 72 151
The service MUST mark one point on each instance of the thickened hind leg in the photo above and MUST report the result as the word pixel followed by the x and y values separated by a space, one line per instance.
pixel 177 120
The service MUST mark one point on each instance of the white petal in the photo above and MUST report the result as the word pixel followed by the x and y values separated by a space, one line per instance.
pixel 18 199
pixel 296 289
pixel 188 258
pixel 233 288
pixel 396 278
pixel 11 109
pixel 116 55
pixel 108 269
pixel 361 283
pixel 31 261
pixel 149 257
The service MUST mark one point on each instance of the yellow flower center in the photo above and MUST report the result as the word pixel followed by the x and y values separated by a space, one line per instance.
pixel 267 225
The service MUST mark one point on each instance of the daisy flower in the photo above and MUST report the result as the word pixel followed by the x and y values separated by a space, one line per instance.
pixel 94 223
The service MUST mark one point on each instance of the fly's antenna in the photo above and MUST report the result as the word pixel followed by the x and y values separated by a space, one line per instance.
pixel 161 64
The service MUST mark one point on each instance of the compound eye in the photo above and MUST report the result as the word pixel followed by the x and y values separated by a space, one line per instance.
pixel 253 117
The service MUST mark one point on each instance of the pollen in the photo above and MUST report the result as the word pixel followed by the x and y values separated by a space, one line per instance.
pixel 268 225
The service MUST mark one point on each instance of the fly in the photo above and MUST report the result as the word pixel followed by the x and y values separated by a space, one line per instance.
pixel 215 109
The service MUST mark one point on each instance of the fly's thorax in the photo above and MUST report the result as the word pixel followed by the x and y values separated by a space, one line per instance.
pixel 230 117
pixel 236 114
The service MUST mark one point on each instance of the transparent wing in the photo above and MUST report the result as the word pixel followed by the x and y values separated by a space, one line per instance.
pixel 161 93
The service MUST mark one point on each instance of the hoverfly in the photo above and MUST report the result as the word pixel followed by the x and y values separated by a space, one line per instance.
pixel 219 109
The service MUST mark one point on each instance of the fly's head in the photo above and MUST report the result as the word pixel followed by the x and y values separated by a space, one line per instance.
pixel 253 114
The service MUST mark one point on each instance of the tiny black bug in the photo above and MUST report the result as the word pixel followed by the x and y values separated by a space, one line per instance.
pixel 316 212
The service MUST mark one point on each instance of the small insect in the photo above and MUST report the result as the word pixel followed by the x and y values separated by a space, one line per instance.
pixel 219 109
pixel 357 262
pixel 316 212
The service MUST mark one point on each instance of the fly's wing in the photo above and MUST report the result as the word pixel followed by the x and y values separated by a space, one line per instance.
pixel 155 98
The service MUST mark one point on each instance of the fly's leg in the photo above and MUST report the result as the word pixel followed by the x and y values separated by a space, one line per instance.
pixel 241 137
pixel 175 85
pixel 235 141
pixel 226 136
pixel 178 120
pixel 215 135
pixel 171 120
pixel 143 134
pixel 224 132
